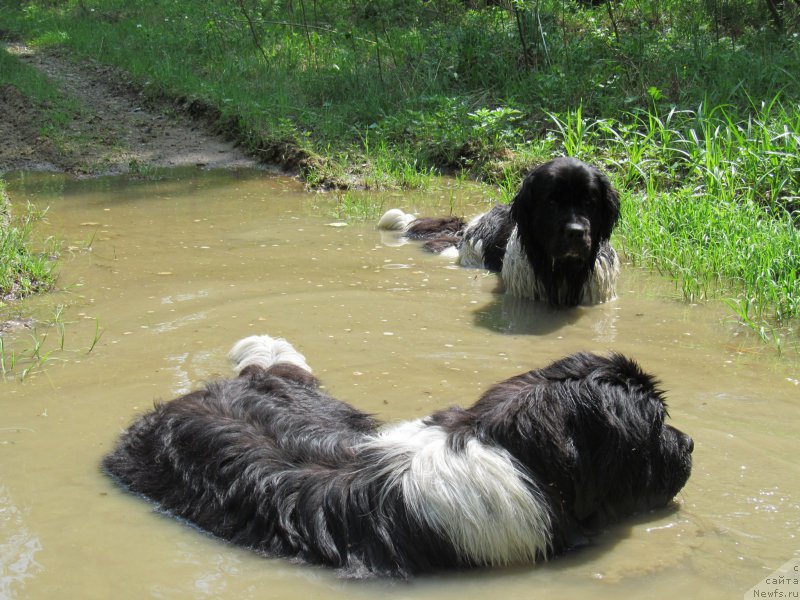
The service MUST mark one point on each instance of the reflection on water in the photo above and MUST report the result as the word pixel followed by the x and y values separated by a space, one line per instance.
pixel 511 314
pixel 18 548
pixel 175 271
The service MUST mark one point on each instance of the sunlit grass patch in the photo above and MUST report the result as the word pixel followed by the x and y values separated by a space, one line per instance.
pixel 710 198
pixel 716 247
pixel 39 89
pixel 25 268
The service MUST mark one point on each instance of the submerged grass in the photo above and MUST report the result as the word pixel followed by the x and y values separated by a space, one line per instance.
pixel 32 352
pixel 689 106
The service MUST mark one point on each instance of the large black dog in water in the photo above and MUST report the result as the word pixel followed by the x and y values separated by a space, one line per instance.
pixel 268 461
pixel 551 243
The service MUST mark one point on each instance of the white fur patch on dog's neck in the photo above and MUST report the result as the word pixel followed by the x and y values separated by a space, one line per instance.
pixel 478 497
pixel 520 279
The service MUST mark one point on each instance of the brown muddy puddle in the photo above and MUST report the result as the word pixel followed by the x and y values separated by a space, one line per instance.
pixel 171 273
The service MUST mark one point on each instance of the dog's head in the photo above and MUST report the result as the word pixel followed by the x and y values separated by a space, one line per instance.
pixel 592 430
pixel 564 210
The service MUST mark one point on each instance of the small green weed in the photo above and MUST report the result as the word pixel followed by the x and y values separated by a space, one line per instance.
pixel 358 206
pixel 22 358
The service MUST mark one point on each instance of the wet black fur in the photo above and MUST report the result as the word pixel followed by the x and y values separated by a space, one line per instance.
pixel 560 193
pixel 554 194
pixel 593 430
pixel 439 233
pixel 270 462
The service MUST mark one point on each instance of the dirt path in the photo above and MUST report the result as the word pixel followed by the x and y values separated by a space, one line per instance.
pixel 111 132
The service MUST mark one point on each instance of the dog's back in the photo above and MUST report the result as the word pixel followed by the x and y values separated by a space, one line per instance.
pixel 480 243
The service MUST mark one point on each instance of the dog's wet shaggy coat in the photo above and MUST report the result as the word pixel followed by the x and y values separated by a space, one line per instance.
pixel 270 462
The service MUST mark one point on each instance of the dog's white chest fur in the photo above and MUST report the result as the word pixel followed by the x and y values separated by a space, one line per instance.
pixel 520 279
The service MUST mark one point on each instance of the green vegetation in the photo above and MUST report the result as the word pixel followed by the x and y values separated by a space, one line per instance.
pixel 690 106
pixel 710 201
pixel 359 206
pixel 23 271
pixel 41 348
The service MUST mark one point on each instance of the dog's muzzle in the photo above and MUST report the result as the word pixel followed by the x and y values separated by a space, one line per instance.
pixel 576 240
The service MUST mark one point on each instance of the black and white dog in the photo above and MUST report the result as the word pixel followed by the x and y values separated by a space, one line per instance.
pixel 551 243
pixel 270 462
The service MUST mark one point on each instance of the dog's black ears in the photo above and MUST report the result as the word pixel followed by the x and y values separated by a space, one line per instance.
pixel 608 205
pixel 540 183
pixel 526 195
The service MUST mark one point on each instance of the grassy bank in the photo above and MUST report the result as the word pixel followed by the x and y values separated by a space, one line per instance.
pixel 23 270
pixel 710 201
pixel 26 265
pixel 691 107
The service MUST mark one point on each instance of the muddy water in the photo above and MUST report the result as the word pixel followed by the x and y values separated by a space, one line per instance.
pixel 170 273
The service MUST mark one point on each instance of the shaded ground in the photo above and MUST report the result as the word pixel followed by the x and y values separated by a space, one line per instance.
pixel 111 132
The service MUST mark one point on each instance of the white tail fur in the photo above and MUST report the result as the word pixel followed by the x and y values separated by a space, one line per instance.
pixel 265 351
pixel 395 220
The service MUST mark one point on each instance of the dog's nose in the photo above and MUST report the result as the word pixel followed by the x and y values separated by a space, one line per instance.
pixel 576 231
pixel 689 443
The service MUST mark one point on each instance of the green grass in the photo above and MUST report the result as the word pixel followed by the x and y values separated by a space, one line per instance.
pixel 690 106
pixel 434 84
pixel 28 80
pixel 24 269
pixel 5 207
pixel 23 355
pixel 710 199
pixel 358 206
pixel 716 247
